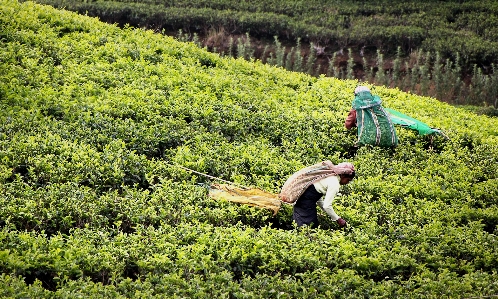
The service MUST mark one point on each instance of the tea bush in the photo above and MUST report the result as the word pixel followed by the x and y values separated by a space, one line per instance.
pixel 97 119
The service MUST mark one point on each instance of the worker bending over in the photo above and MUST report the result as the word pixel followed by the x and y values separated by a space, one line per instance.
pixel 313 186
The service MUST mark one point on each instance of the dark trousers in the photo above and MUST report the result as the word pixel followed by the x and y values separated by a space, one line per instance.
pixel 304 211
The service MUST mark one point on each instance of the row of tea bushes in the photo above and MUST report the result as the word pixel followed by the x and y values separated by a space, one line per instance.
pixel 96 120
pixel 233 258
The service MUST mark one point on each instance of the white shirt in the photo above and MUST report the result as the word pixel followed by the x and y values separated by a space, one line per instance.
pixel 330 187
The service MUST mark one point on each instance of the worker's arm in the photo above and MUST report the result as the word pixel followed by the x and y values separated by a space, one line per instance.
pixel 331 187
pixel 350 120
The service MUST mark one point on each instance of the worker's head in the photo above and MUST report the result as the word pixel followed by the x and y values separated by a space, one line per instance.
pixel 346 178
pixel 359 89
pixel 346 172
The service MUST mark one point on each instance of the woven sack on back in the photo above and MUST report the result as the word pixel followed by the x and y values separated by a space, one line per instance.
pixel 297 183
pixel 374 123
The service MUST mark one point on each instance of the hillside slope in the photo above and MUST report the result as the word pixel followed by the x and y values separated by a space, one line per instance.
pixel 448 27
pixel 440 49
pixel 95 118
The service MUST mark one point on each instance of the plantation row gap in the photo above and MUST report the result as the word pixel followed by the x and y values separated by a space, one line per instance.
pixel 422 73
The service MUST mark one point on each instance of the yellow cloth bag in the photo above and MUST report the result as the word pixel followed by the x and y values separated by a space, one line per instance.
pixel 250 196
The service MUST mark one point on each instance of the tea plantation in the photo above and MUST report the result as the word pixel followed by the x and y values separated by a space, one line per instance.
pixel 94 120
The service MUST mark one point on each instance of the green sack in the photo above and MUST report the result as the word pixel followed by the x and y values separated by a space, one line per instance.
pixel 406 121
pixel 374 123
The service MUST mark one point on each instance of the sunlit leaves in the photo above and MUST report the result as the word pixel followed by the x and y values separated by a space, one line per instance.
pixel 92 201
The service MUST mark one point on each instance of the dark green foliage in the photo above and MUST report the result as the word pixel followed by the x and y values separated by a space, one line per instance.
pixel 448 27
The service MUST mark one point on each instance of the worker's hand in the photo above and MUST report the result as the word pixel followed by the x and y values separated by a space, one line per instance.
pixel 341 222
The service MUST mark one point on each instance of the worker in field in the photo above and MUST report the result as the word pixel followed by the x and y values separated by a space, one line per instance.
pixel 374 124
pixel 313 186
